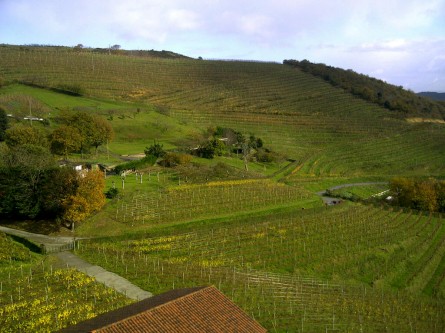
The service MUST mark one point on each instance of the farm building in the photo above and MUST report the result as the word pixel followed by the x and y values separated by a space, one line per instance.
pixel 200 309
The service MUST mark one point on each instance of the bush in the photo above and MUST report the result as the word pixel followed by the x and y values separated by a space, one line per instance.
pixel 112 193
pixel 156 150
pixel 136 165
pixel 173 159
pixel 211 148
pixel 266 156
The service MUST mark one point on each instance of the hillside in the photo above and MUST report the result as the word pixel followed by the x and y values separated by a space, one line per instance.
pixel 375 91
pixel 296 113
pixel 256 229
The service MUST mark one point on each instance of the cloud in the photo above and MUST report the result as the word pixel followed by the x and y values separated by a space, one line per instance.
pixel 413 64
pixel 183 19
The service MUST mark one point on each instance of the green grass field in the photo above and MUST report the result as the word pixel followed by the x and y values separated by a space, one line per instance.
pixel 262 236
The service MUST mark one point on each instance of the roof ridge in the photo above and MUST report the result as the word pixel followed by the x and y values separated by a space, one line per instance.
pixel 197 290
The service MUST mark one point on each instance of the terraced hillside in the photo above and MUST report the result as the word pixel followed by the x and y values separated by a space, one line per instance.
pixel 263 235
pixel 310 271
pixel 294 112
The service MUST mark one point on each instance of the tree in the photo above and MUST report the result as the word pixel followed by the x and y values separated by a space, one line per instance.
pixel 3 124
pixel 403 190
pixel 426 196
pixel 418 194
pixel 254 142
pixel 88 198
pixel 94 130
pixel 102 132
pixel 22 173
pixel 23 134
pixel 65 139
pixel 211 148
pixel 440 192
pixel 76 209
pixel 156 150
pixel 85 125
pixel 56 186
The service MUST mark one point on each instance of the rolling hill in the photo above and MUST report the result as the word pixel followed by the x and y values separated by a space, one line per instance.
pixel 262 236
pixel 295 112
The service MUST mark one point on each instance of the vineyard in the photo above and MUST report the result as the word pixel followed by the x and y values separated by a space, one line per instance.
pixel 294 112
pixel 36 295
pixel 345 268
pixel 258 232
pixel 212 199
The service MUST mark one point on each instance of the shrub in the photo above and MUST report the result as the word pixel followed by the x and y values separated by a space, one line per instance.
pixel 156 150
pixel 136 165
pixel 173 159
pixel 70 89
pixel 112 193
pixel 264 155
pixel 211 148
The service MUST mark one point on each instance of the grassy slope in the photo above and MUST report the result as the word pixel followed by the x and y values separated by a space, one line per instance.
pixel 336 139
pixel 134 129
pixel 336 133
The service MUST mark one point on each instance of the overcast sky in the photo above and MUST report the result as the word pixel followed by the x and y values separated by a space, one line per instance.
pixel 399 41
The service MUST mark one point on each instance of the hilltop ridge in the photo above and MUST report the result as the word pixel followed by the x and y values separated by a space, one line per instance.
pixel 391 97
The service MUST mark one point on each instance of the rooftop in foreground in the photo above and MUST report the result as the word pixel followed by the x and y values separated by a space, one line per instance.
pixel 200 309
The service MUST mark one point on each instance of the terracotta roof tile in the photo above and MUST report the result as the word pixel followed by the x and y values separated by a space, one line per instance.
pixel 201 309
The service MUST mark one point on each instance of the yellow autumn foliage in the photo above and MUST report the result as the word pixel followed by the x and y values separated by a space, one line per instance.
pixel 88 199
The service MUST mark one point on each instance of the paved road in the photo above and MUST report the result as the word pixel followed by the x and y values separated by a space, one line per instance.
pixel 69 259
pixel 331 200
pixel 109 279
pixel 37 238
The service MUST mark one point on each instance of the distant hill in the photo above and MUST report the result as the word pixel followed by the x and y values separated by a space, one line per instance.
pixel 433 95
pixel 327 124
pixel 391 97
pixel 114 50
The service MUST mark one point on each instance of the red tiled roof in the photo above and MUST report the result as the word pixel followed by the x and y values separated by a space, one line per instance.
pixel 201 309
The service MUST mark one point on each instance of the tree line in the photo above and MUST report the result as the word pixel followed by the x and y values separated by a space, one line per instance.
pixel 76 132
pixel 391 97
pixel 420 194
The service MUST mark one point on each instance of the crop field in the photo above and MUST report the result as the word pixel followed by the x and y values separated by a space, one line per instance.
pixel 302 270
pixel 36 295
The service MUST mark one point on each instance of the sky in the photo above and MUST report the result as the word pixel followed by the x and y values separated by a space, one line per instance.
pixel 399 41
